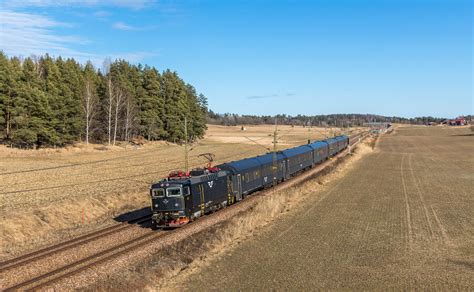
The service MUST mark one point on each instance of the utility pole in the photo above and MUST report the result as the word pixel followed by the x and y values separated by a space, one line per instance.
pixel 275 138
pixel 186 163
pixel 309 132
pixel 275 141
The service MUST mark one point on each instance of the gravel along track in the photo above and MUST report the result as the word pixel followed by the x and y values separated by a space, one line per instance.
pixel 69 265
pixel 400 219
pixel 45 280
pixel 45 260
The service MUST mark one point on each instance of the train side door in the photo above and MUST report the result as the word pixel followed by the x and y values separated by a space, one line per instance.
pixel 239 187
pixel 230 191
pixel 202 205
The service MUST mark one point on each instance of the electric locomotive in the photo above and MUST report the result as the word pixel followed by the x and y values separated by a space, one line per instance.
pixel 183 197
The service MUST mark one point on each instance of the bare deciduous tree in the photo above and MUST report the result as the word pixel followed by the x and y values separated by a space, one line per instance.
pixel 89 105
pixel 119 97
pixel 110 96
pixel 129 115
pixel 110 101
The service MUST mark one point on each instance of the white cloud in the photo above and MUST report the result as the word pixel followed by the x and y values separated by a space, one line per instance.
pixel 123 26
pixel 133 4
pixel 16 19
pixel 26 34
pixel 102 14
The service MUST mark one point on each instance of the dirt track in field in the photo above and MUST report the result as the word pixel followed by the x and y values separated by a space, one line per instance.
pixel 401 218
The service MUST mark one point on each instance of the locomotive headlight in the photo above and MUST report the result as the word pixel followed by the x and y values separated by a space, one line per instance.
pixel 156 205
pixel 176 204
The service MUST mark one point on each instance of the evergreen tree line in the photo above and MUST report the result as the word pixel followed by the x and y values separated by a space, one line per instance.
pixel 47 101
pixel 333 120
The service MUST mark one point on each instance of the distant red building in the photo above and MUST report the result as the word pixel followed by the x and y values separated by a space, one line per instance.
pixel 459 121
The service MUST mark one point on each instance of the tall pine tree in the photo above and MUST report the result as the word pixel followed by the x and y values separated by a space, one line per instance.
pixel 151 106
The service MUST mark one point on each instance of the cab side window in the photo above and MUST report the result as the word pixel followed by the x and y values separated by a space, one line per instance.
pixel 186 191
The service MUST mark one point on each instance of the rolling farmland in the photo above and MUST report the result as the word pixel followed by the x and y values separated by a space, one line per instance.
pixel 51 195
pixel 400 218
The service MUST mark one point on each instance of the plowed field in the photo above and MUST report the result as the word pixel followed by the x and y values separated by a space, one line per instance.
pixel 401 218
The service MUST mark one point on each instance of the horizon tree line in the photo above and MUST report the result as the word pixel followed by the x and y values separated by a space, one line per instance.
pixel 330 120
pixel 46 101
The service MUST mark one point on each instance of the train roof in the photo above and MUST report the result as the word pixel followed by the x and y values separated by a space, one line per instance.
pixel 252 162
pixel 341 137
pixel 268 158
pixel 332 140
pixel 318 144
pixel 240 165
pixel 179 182
pixel 170 183
pixel 336 139
pixel 297 151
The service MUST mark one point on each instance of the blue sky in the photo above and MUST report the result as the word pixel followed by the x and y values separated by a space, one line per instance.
pixel 404 58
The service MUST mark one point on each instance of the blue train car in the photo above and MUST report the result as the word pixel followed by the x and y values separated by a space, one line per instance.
pixel 333 146
pixel 337 144
pixel 320 151
pixel 246 176
pixel 269 174
pixel 342 142
pixel 298 159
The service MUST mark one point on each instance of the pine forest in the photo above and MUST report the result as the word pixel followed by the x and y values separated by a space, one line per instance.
pixel 53 102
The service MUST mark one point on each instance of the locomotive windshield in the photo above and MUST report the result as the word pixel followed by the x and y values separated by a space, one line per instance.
pixel 158 193
pixel 173 192
pixel 169 192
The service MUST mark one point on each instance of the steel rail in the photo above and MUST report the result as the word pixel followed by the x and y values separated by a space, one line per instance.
pixel 83 239
pixel 94 259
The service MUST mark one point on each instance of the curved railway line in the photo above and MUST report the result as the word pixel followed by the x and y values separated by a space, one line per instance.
pixel 47 278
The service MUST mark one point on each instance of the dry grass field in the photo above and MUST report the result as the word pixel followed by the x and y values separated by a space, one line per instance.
pixel 48 195
pixel 401 218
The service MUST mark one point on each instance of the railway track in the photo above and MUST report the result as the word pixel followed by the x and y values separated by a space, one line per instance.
pixel 83 239
pixel 66 271
pixel 20 263
pixel 356 138
pixel 70 270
